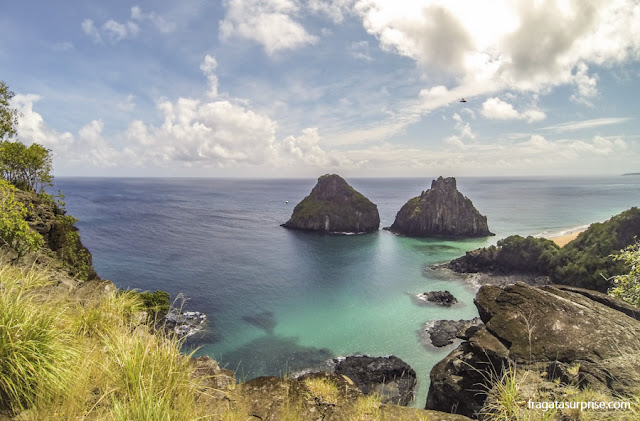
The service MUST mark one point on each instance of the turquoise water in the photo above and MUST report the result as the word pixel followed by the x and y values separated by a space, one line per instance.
pixel 282 301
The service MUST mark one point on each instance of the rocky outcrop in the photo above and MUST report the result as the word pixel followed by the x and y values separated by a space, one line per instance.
pixel 60 235
pixel 334 207
pixel 441 211
pixel 553 332
pixel 441 333
pixel 585 262
pixel 442 298
pixel 513 255
pixel 389 377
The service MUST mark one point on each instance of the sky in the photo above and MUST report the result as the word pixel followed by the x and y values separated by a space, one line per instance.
pixel 299 88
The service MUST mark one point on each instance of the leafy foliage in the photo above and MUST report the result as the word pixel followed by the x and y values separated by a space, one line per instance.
pixel 157 303
pixel 28 168
pixel 8 116
pixel 14 230
pixel 627 286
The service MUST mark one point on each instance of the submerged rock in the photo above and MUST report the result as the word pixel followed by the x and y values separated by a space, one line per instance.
pixel 441 211
pixel 334 207
pixel 184 324
pixel 442 298
pixel 390 377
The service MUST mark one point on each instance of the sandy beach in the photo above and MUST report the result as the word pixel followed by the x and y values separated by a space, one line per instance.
pixel 561 240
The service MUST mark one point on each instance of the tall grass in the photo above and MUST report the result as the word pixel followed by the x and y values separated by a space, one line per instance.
pixel 65 359
pixel 37 352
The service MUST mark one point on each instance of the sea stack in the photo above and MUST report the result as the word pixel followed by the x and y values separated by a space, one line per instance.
pixel 334 207
pixel 441 211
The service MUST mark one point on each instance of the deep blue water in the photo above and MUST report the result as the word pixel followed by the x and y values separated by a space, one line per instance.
pixel 282 300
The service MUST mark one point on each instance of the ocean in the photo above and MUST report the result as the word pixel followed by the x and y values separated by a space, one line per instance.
pixel 282 301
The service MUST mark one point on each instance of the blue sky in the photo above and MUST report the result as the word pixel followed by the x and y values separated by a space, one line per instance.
pixel 299 88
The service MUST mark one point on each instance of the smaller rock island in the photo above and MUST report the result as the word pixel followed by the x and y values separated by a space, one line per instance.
pixel 334 207
pixel 441 211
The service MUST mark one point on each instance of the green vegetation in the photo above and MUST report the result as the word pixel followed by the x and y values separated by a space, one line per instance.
pixel 14 230
pixel 528 254
pixel 627 286
pixel 28 168
pixel 8 116
pixel 587 261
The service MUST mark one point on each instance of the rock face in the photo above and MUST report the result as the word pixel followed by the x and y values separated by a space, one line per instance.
pixel 390 377
pixel 442 298
pixel 555 332
pixel 441 211
pixel 334 206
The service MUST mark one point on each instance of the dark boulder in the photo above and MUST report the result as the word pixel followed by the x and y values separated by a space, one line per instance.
pixel 390 377
pixel 334 207
pixel 546 330
pixel 441 333
pixel 442 298
pixel 441 211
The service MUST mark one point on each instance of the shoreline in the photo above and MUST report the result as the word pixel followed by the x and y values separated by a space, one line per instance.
pixel 564 238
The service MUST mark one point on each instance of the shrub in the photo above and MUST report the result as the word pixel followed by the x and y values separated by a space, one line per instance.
pixel 14 230
pixel 627 286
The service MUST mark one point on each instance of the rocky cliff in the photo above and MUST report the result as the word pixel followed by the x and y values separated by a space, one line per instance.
pixel 62 244
pixel 334 206
pixel 557 335
pixel 441 211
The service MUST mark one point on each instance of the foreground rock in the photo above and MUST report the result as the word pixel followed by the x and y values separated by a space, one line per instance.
pixel 442 298
pixel 334 207
pixel 441 211
pixel 276 399
pixel 443 332
pixel 390 377
pixel 553 332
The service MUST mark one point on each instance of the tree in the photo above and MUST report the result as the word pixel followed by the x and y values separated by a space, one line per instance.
pixel 14 230
pixel 8 116
pixel 627 287
pixel 26 168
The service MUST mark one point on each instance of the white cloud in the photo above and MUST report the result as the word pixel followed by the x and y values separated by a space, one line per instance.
pixel 463 127
pixel 111 30
pixel 360 50
pixel 586 86
pixel 32 128
pixel 128 104
pixel 160 22
pixel 90 29
pixel 268 22
pixel 208 67
pixel 334 9
pixel 587 124
pixel 496 109
pixel 498 44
